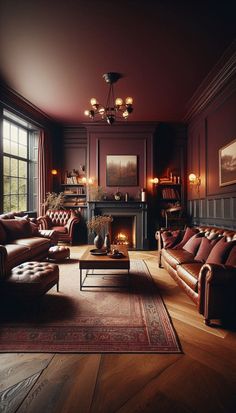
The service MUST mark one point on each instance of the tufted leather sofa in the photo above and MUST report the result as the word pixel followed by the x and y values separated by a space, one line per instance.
pixel 20 241
pixel 211 286
pixel 61 221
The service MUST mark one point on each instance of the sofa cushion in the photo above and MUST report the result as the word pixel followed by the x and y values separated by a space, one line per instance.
pixel 36 245
pixel 220 251
pixel 193 243
pixel 62 230
pixel 231 260
pixel 3 235
pixel 170 238
pixel 188 234
pixel 16 228
pixel 175 257
pixel 16 254
pixel 189 273
pixel 205 248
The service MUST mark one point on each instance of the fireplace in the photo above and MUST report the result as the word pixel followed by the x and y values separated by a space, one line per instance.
pixel 123 231
pixel 129 225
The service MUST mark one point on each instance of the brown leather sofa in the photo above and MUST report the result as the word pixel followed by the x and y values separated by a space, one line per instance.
pixel 207 278
pixel 62 222
pixel 20 241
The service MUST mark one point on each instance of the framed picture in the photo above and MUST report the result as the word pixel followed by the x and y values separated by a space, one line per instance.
pixel 122 170
pixel 227 164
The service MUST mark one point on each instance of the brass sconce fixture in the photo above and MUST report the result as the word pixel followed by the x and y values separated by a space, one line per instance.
pixel 195 181
pixel 154 181
pixel 54 172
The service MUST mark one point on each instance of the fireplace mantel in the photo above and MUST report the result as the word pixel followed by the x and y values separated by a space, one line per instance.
pixel 137 209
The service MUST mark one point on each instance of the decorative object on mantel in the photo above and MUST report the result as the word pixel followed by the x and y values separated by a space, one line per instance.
pixel 96 224
pixel 114 108
pixel 118 195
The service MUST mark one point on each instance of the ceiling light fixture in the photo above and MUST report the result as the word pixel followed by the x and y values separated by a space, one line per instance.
pixel 114 108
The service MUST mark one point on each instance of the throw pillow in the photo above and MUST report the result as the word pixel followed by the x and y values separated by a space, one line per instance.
pixel 16 229
pixel 34 229
pixel 189 232
pixel 205 248
pixel 170 239
pixel 193 243
pixel 220 251
pixel 231 260
pixel 3 235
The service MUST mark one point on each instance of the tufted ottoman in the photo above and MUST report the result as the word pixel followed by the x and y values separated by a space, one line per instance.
pixel 58 253
pixel 31 279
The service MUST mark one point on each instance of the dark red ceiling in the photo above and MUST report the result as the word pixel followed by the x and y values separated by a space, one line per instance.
pixel 54 53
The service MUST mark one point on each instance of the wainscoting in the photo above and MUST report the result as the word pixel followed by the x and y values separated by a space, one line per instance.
pixel 219 212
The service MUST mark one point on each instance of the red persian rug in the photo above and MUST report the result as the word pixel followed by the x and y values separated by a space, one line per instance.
pixel 98 320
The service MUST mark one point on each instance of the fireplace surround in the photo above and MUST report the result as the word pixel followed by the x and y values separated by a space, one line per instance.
pixel 132 214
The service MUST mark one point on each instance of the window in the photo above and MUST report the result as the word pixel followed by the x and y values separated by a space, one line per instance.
pixel 19 160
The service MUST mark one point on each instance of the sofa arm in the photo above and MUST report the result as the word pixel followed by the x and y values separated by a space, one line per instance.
pixel 217 291
pixel 3 262
pixel 42 222
pixel 71 223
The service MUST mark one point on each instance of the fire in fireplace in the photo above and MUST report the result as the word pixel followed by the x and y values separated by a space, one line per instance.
pixel 123 231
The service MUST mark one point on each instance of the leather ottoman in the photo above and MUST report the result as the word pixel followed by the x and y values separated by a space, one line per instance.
pixel 58 253
pixel 31 279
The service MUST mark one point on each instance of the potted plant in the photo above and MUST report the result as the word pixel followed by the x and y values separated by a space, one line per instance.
pixel 53 201
pixel 96 224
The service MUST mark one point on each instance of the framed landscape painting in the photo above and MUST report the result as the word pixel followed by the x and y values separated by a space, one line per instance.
pixel 227 164
pixel 122 170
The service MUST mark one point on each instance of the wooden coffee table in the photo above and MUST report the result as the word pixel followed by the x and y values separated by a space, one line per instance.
pixel 102 262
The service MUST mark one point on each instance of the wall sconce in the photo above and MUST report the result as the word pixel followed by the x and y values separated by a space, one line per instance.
pixel 54 172
pixel 154 181
pixel 87 181
pixel 194 180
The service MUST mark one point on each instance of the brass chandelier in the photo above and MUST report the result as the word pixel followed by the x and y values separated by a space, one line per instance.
pixel 114 108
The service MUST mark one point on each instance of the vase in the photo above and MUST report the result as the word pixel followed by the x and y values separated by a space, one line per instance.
pixel 98 241
pixel 107 242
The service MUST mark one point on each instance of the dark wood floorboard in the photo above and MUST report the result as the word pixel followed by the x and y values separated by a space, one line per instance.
pixel 202 379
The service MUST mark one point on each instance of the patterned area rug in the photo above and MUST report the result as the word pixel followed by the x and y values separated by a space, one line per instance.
pixel 119 320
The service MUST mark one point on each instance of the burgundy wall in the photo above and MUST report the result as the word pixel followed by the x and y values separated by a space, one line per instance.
pixel 207 133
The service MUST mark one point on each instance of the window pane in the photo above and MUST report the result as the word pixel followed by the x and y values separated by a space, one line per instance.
pixel 23 151
pixel 6 145
pixel 22 203
pixel 14 133
pixel 22 136
pixel 6 204
pixel 22 186
pixel 6 165
pixel 6 129
pixel 14 186
pixel 14 203
pixel 23 169
pixel 20 146
pixel 6 185
pixel 14 148
pixel 14 167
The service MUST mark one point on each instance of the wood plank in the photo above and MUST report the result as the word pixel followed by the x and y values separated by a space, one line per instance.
pixel 122 375
pixel 11 398
pixel 15 368
pixel 66 386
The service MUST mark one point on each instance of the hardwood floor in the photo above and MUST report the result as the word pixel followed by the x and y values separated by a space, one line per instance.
pixel 202 379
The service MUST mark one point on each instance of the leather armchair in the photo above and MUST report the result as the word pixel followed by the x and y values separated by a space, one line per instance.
pixel 61 221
